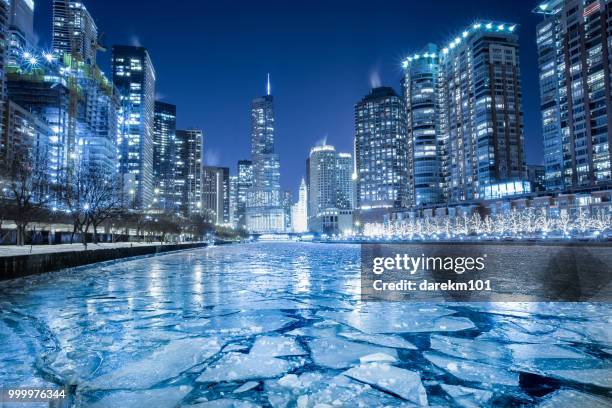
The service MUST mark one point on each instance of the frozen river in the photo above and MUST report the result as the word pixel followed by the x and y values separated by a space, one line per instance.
pixel 281 325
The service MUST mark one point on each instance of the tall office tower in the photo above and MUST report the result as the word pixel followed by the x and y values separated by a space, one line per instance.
pixel 286 202
pixel 25 134
pixel 21 28
pixel 381 154
pixel 187 171
pixel 575 58
pixel 215 193
pixel 330 197
pixel 164 133
pixel 481 113
pixel 233 200
pixel 345 191
pixel 4 22
pixel 264 211
pixel 299 211
pixel 134 77
pixel 420 91
pixel 244 184
pixel 74 31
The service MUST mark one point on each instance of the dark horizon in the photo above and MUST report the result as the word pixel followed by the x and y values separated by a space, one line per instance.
pixel 211 60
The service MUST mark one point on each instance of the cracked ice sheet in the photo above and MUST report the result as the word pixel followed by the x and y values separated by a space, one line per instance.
pixel 248 323
pixel 239 367
pixel 315 389
pixel 467 397
pixel 573 399
pixel 338 353
pixel 275 346
pixel 473 371
pixel 158 398
pixel 380 340
pixel 167 362
pixel 398 381
pixel 223 403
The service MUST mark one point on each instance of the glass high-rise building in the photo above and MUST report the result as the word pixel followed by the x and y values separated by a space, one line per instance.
pixel 164 132
pixel 243 186
pixel 420 91
pixel 74 31
pixel 299 211
pixel 216 193
pixel 187 171
pixel 264 210
pixel 134 77
pixel 481 121
pixel 21 28
pixel 381 153
pixel 575 58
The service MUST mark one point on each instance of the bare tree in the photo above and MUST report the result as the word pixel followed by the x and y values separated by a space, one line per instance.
pixel 26 188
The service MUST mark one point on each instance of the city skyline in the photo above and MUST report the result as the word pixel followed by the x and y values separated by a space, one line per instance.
pixel 350 69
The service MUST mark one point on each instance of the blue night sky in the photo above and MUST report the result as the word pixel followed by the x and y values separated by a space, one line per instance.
pixel 212 57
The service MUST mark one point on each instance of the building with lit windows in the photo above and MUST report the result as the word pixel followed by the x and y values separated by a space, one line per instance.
pixel 330 201
pixel 134 77
pixel 264 205
pixel 74 31
pixel 164 130
pixel 21 28
pixel 216 194
pixel 187 171
pixel 425 144
pixel 575 59
pixel 381 154
pixel 25 133
pixel 481 120
pixel 244 183
pixel 299 211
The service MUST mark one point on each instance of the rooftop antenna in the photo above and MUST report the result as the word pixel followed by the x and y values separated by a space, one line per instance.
pixel 268 87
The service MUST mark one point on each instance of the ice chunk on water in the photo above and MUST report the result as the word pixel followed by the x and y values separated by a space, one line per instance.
pixel 247 386
pixel 338 353
pixel 164 363
pixel 473 371
pixel 249 323
pixel 573 399
pixel 380 339
pixel 276 346
pixel 432 320
pixel 403 383
pixel 528 352
pixel 469 349
pixel 377 357
pixel 238 367
pixel 601 377
pixel 223 403
pixel 158 398
pixel 467 397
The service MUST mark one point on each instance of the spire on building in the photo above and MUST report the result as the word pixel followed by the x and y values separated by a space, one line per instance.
pixel 268 86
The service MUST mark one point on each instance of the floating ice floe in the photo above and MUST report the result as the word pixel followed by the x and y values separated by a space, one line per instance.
pixel 600 377
pixel 164 363
pixel 473 371
pixel 573 399
pixel 333 352
pixel 249 323
pixel 247 386
pixel 470 349
pixel 377 357
pixel 158 398
pixel 467 397
pixel 276 346
pixel 223 403
pixel 398 381
pixel 239 367
pixel 380 340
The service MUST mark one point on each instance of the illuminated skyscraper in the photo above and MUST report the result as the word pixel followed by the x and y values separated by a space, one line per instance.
pixel 420 89
pixel 381 152
pixel 134 77
pixel 299 211
pixel 21 28
pixel 243 186
pixel 187 171
pixel 264 210
pixel 74 31
pixel 163 154
pixel 481 119
pixel 575 57
pixel 216 193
